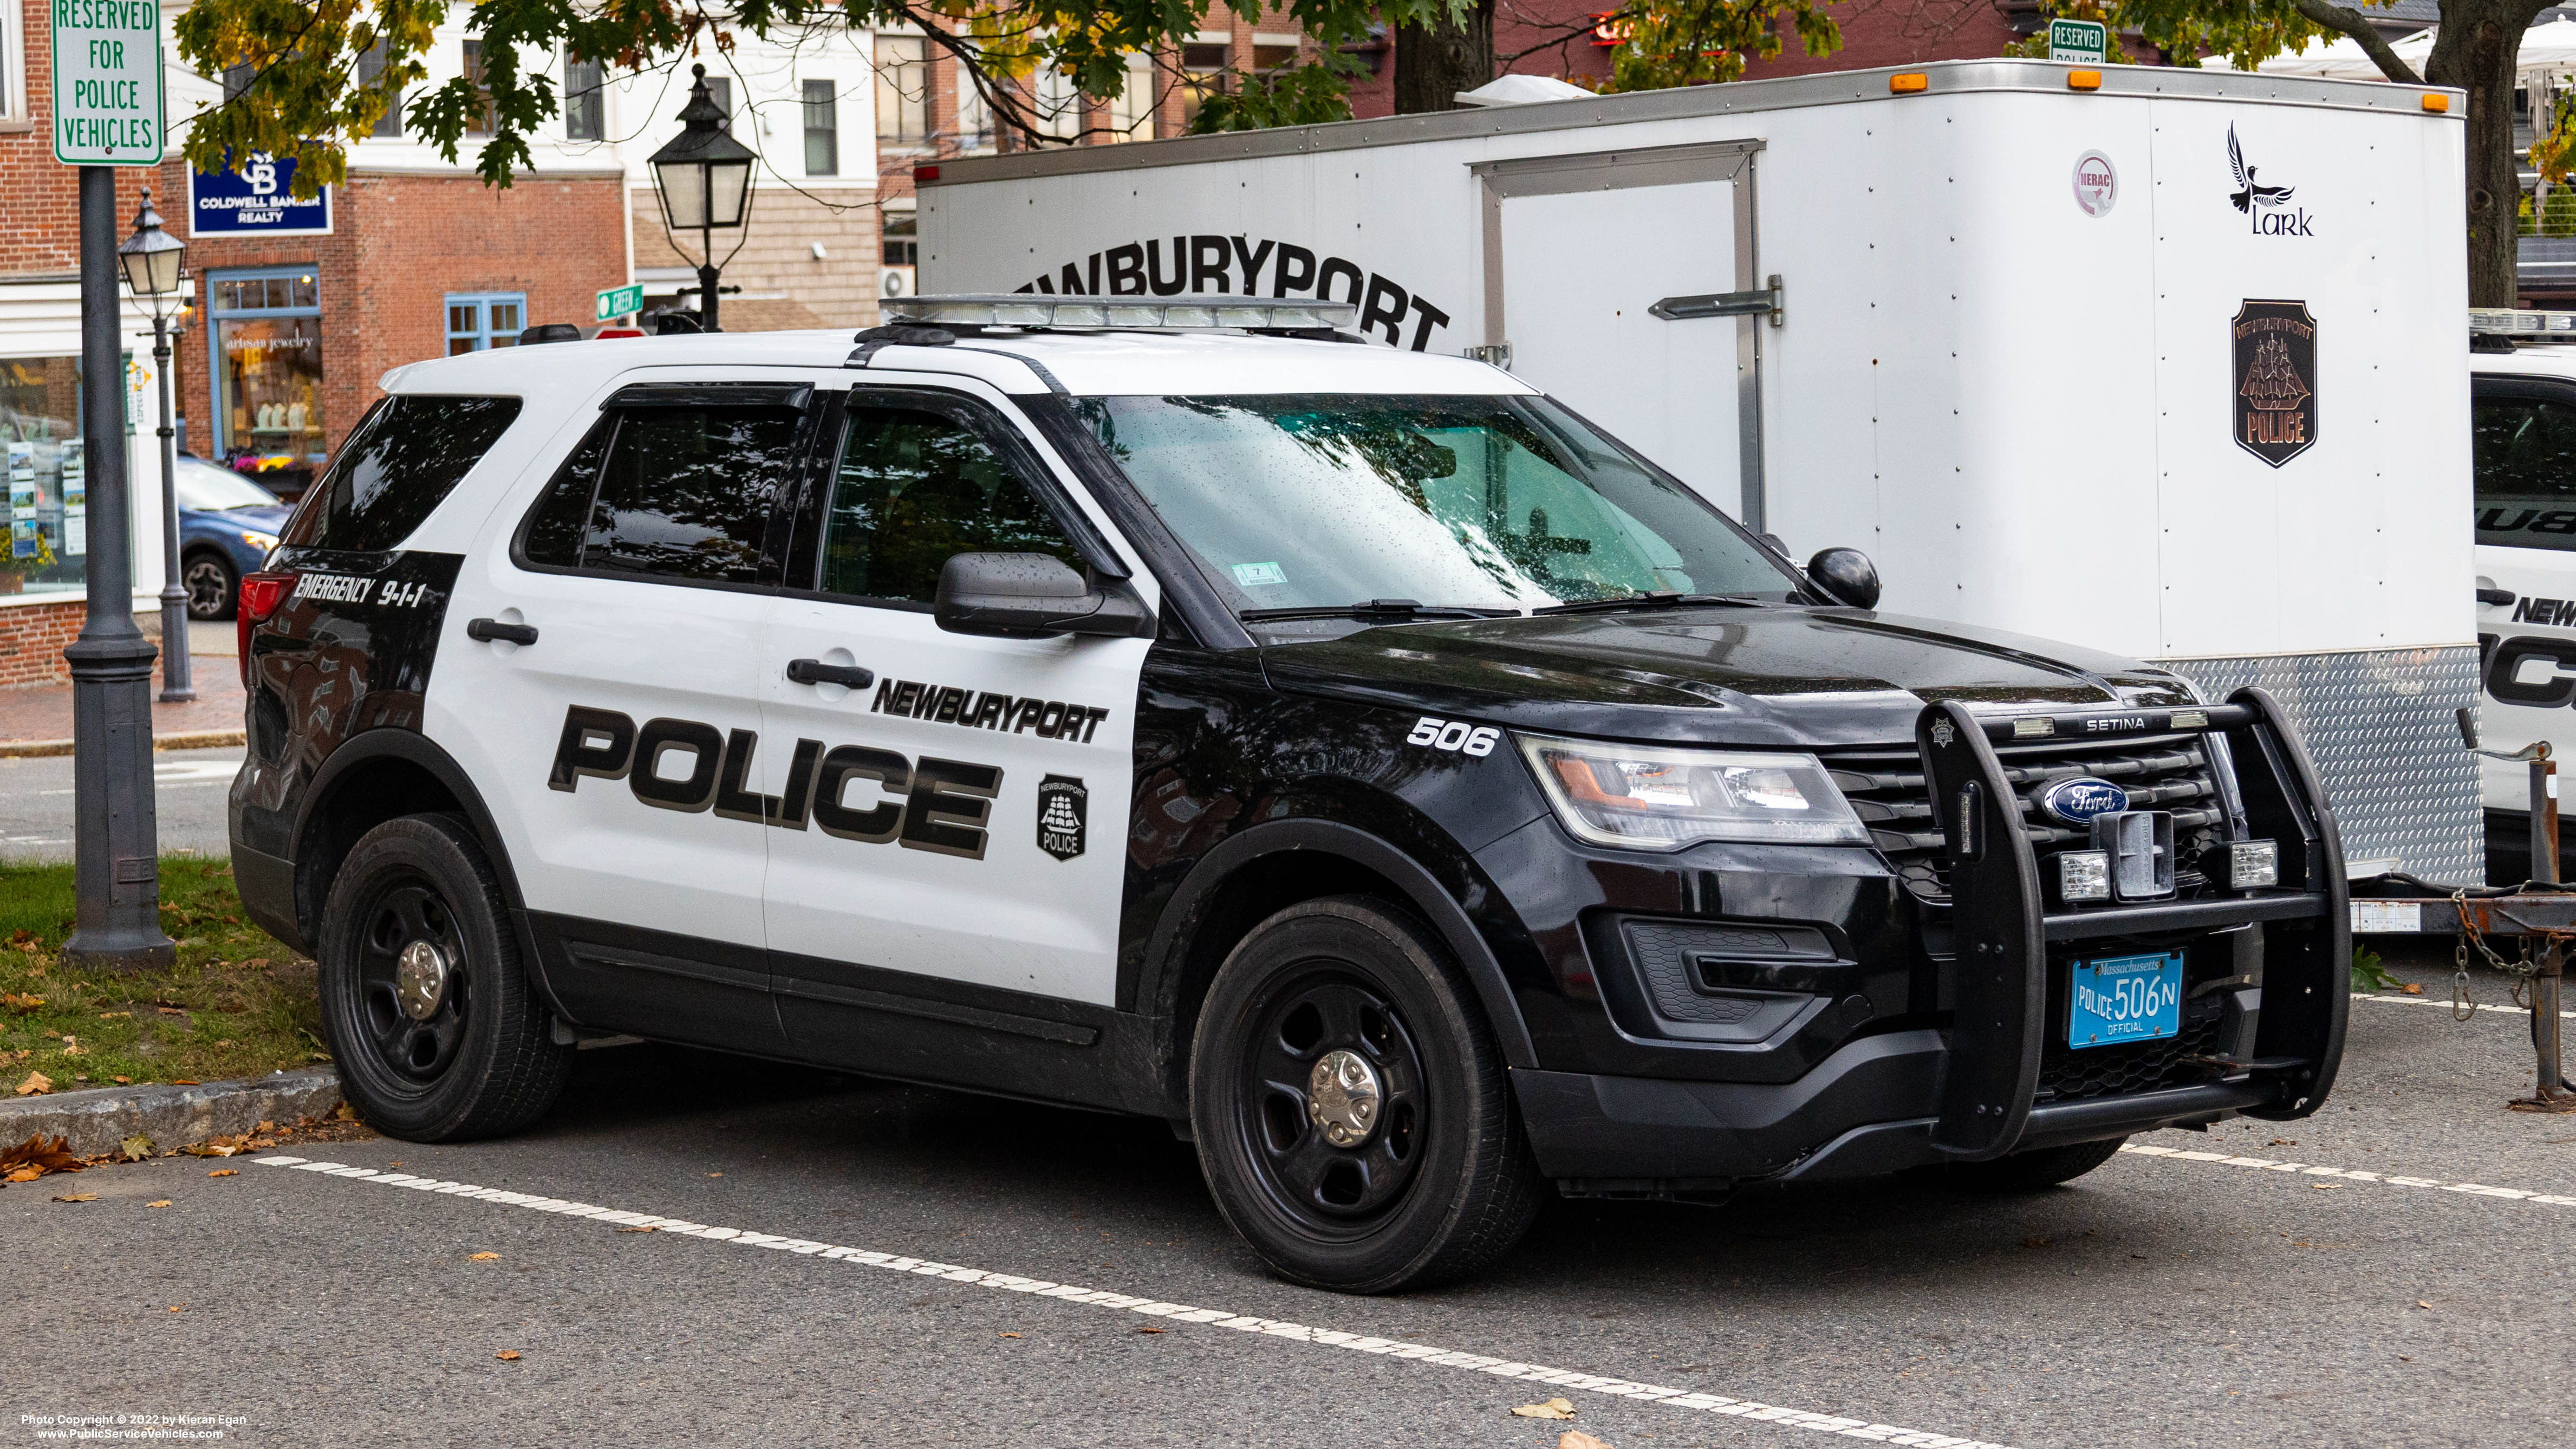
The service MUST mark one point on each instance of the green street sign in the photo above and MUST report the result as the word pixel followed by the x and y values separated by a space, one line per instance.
pixel 107 82
pixel 2085 42
pixel 621 301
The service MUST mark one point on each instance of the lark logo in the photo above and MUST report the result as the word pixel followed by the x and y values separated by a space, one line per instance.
pixel 2267 208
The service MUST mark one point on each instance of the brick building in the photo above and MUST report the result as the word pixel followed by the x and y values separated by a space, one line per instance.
pixel 286 333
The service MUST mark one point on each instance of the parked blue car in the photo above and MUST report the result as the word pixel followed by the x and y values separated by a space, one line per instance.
pixel 227 525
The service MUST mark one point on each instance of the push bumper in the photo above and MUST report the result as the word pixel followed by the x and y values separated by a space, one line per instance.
pixel 1970 1093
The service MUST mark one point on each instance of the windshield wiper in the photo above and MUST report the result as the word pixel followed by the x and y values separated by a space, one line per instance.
pixel 1661 599
pixel 1378 609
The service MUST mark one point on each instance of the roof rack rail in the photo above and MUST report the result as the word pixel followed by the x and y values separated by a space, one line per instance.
pixel 1038 309
pixel 2514 322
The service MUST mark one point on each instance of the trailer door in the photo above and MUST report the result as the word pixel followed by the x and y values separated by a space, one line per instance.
pixel 1607 284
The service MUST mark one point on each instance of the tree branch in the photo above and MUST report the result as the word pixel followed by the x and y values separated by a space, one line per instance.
pixel 2350 22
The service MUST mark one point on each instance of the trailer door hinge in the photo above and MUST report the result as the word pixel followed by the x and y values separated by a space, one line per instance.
pixel 1725 304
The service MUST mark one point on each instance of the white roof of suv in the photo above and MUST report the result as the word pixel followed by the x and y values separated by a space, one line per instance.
pixel 1084 364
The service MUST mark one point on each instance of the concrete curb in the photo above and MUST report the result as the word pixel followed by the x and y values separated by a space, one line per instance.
pixel 199 740
pixel 97 1120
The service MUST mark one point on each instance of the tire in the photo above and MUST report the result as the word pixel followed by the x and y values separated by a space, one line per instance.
pixel 479 1058
pixel 214 588
pixel 1437 1181
pixel 2035 1169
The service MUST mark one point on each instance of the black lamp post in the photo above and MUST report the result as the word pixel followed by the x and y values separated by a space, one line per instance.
pixel 151 259
pixel 704 179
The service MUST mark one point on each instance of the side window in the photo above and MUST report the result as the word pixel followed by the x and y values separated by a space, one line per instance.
pixel 914 487
pixel 2524 451
pixel 396 468
pixel 673 492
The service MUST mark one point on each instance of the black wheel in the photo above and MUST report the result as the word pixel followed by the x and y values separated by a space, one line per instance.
pixel 1351 1108
pixel 427 1013
pixel 2035 1169
pixel 211 584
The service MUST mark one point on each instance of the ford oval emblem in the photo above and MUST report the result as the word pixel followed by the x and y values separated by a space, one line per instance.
pixel 2078 800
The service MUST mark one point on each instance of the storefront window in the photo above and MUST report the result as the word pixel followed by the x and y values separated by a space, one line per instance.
pixel 268 401
pixel 47 473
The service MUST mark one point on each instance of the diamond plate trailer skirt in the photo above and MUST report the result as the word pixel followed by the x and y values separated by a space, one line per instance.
pixel 2380 725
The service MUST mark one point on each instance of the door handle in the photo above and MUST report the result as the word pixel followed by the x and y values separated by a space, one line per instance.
pixel 493 631
pixel 2495 596
pixel 815 671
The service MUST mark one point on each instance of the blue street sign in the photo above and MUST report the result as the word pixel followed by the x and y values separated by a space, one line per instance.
pixel 252 200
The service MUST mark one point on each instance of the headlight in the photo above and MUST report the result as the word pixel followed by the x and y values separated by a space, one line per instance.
pixel 1649 798
pixel 261 541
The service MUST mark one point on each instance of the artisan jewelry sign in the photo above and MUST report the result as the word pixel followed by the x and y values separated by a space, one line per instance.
pixel 107 82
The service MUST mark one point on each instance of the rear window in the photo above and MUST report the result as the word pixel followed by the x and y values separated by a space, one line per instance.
pixel 399 465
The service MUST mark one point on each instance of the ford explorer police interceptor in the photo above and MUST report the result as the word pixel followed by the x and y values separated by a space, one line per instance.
pixel 2523 426
pixel 1348 755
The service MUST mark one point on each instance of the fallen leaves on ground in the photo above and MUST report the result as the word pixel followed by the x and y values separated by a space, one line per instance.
pixel 35 1157
pixel 481 1257
pixel 508 1355
pixel 135 1148
pixel 165 1202
pixel 1149 1330
pixel 1552 1409
pixel 122 1081
pixel 2420 1303
pixel 2325 1186
pixel 185 1082
pixel 225 1172
pixel 645 1229
pixel 2412 988
pixel 77 1197
pixel 36 1085
pixel 1010 1335
pixel 1577 1439
pixel 175 1307
pixel 23 1003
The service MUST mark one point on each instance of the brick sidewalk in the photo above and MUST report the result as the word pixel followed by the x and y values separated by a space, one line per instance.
pixel 38 719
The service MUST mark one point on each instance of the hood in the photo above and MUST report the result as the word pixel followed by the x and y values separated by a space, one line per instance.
pixel 1778 675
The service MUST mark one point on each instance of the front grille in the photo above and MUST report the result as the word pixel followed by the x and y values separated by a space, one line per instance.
pixel 2160 772
pixel 2069 1075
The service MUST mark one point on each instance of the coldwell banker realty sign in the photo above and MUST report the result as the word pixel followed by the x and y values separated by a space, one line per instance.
pixel 107 82
pixel 254 199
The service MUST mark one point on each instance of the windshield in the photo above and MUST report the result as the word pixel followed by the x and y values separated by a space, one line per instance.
pixel 1478 502
pixel 202 486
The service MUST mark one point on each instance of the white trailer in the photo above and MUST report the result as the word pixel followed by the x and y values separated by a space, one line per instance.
pixel 2167 362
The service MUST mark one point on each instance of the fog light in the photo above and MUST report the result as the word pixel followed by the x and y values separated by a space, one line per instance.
pixel 2084 875
pixel 2252 863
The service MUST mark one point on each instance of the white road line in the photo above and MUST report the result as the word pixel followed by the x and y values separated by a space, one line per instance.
pixel 1168 1312
pixel 2341 1174
pixel 2444 1003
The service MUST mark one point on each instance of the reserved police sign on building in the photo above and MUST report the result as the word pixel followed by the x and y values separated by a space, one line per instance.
pixel 255 199
pixel 107 82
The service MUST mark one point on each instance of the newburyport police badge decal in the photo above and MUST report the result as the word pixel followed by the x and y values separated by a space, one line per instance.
pixel 2274 406
pixel 1064 812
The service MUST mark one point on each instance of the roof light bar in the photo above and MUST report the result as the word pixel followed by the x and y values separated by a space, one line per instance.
pixel 2511 322
pixel 1037 309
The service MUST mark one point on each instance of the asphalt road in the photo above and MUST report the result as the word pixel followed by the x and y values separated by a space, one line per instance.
pixel 2159 1300
pixel 188 799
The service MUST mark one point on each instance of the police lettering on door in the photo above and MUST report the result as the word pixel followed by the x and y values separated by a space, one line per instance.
pixel 928 803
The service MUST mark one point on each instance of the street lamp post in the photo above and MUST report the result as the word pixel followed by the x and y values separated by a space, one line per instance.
pixel 704 179
pixel 151 258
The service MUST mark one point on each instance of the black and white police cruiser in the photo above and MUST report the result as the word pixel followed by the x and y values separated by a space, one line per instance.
pixel 1348 755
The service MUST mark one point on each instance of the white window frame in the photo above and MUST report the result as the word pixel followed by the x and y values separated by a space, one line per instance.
pixel 17 110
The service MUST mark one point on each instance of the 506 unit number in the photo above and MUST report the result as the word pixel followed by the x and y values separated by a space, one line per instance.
pixel 1454 734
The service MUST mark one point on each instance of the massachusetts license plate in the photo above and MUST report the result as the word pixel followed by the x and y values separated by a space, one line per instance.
pixel 2125 998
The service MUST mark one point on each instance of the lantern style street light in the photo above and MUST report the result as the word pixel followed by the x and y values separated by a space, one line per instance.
pixel 704 179
pixel 151 260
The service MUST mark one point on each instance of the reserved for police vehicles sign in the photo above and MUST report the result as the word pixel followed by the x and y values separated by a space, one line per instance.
pixel 107 82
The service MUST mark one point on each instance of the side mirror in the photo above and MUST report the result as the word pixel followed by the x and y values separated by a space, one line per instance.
pixel 1031 595
pixel 1846 574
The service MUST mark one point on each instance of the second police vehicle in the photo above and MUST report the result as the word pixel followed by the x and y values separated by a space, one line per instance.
pixel 1351 756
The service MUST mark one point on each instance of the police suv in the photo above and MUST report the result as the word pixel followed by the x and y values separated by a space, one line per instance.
pixel 1349 755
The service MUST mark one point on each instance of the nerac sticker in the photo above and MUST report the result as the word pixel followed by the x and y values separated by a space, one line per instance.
pixel 1064 812
pixel 2275 401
